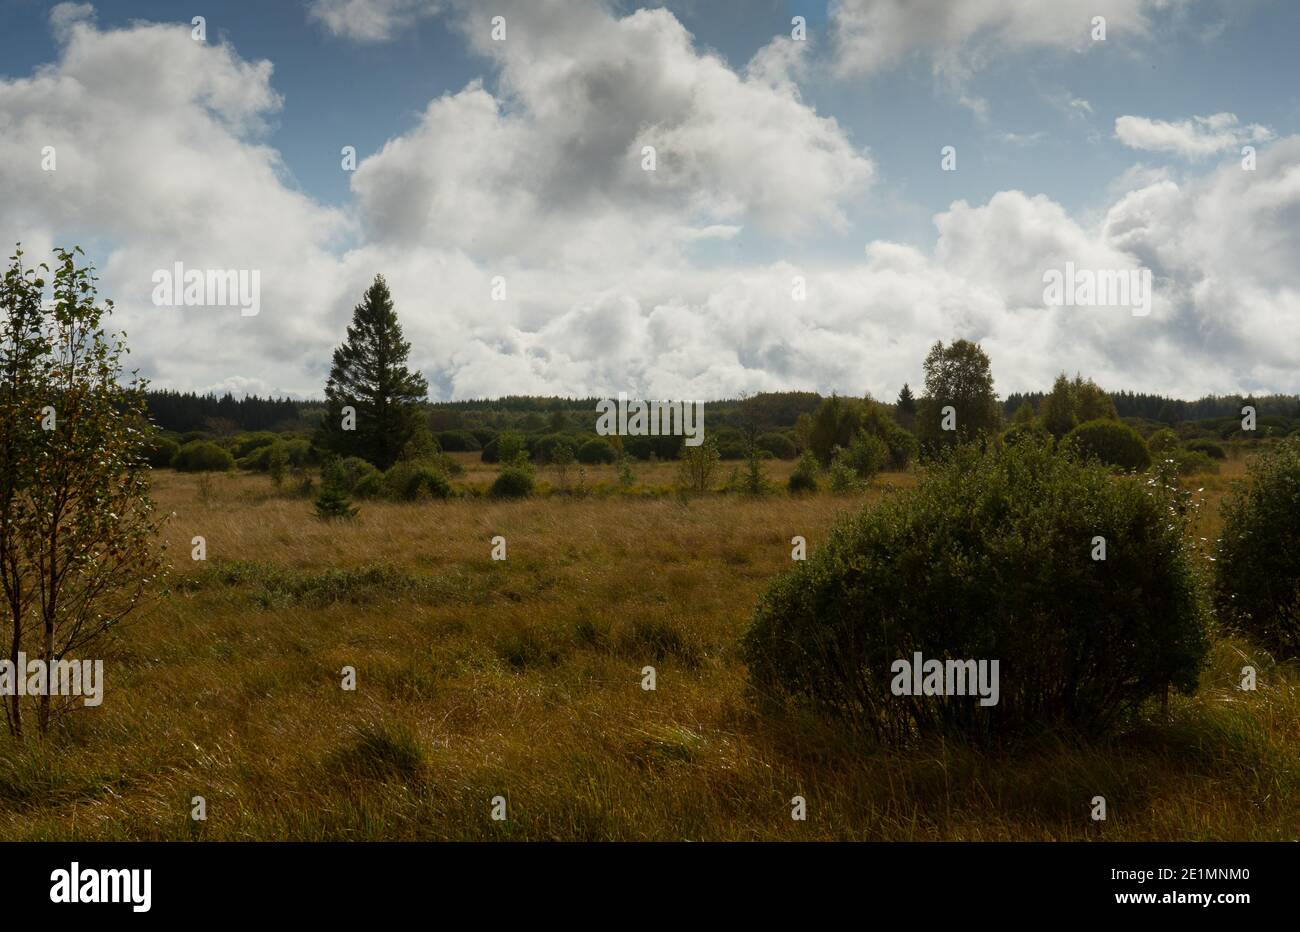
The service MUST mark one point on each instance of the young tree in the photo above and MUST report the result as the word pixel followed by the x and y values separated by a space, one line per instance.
pixel 698 465
pixel 833 425
pixel 1057 408
pixel 906 407
pixel 84 526
pixel 369 374
pixel 957 376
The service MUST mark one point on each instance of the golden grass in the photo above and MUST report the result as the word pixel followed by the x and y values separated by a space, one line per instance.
pixel 522 679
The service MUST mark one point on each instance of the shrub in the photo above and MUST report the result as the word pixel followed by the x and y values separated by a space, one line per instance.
pixel 1209 448
pixel 159 451
pixel 844 479
pixel 1112 442
pixel 245 444
pixel 596 450
pixel 1257 585
pixel 698 465
pixel 334 501
pixel 459 441
pixel 360 478
pixel 202 456
pixel 294 452
pixel 1162 442
pixel 804 477
pixel 413 479
pixel 990 559
pixel 779 445
pixel 866 456
pixel 513 482
pixel 1190 462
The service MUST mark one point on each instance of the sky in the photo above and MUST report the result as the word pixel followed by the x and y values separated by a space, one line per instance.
pixel 801 228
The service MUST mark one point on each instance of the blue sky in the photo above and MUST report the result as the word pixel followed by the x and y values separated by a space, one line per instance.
pixel 1028 100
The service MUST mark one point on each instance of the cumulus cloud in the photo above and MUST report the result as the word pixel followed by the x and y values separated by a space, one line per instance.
pixel 873 35
pixel 1197 138
pixel 553 166
pixel 370 20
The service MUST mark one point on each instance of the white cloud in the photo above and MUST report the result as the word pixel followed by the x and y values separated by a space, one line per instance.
pixel 1197 138
pixel 874 35
pixel 370 20
pixel 161 159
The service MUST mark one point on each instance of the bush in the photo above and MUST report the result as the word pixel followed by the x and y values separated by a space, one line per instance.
pixel 160 450
pixel 359 478
pixel 866 456
pixel 1163 442
pixel 1209 448
pixel 779 445
pixel 594 451
pixel 202 456
pixel 804 477
pixel 513 482
pixel 295 452
pixel 1190 462
pixel 990 559
pixel 459 441
pixel 413 479
pixel 1111 442
pixel 244 444
pixel 1257 585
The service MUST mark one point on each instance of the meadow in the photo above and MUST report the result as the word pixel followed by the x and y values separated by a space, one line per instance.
pixel 522 679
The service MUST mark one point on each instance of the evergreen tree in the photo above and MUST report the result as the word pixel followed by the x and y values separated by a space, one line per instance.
pixel 370 375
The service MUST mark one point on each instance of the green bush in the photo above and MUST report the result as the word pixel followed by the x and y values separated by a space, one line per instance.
pixel 459 441
pixel 1112 442
pixel 990 558
pixel 1190 462
pixel 202 456
pixel 1257 582
pixel 779 445
pixel 245 444
pixel 513 482
pixel 409 480
pixel 594 451
pixel 360 478
pixel 295 452
pixel 1209 448
pixel 866 456
pixel 1163 442
pixel 804 477
pixel 160 450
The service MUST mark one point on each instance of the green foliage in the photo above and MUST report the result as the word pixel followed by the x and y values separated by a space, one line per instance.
pixel 414 479
pixel 844 479
pixel 1113 443
pixel 360 478
pixel 833 425
pixel 202 456
pixel 1257 584
pixel 779 445
pixel 1208 447
pixel 990 559
pixel 957 376
pixel 160 450
pixel 334 502
pixel 804 477
pixel 1163 442
pixel 459 441
pixel 514 481
pixel 369 374
pixel 77 526
pixel 866 455
pixel 510 447
pixel 596 451
pixel 698 465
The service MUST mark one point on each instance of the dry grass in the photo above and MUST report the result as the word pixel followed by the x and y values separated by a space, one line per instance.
pixel 522 679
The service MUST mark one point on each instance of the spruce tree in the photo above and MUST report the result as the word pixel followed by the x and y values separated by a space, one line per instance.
pixel 370 375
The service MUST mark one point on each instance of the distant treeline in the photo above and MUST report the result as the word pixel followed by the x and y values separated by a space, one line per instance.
pixel 1175 410
pixel 187 412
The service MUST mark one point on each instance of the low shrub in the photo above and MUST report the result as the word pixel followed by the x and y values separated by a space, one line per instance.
pixel 202 456
pixel 1113 443
pixel 990 558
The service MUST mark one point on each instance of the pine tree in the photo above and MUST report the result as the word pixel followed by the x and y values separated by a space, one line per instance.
pixel 370 375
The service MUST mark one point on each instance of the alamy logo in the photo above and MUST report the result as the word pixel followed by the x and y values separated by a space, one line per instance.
pixel 103 886
pixel 1098 288
pixel 651 419
pixel 178 287
pixel 919 677
pixel 83 678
